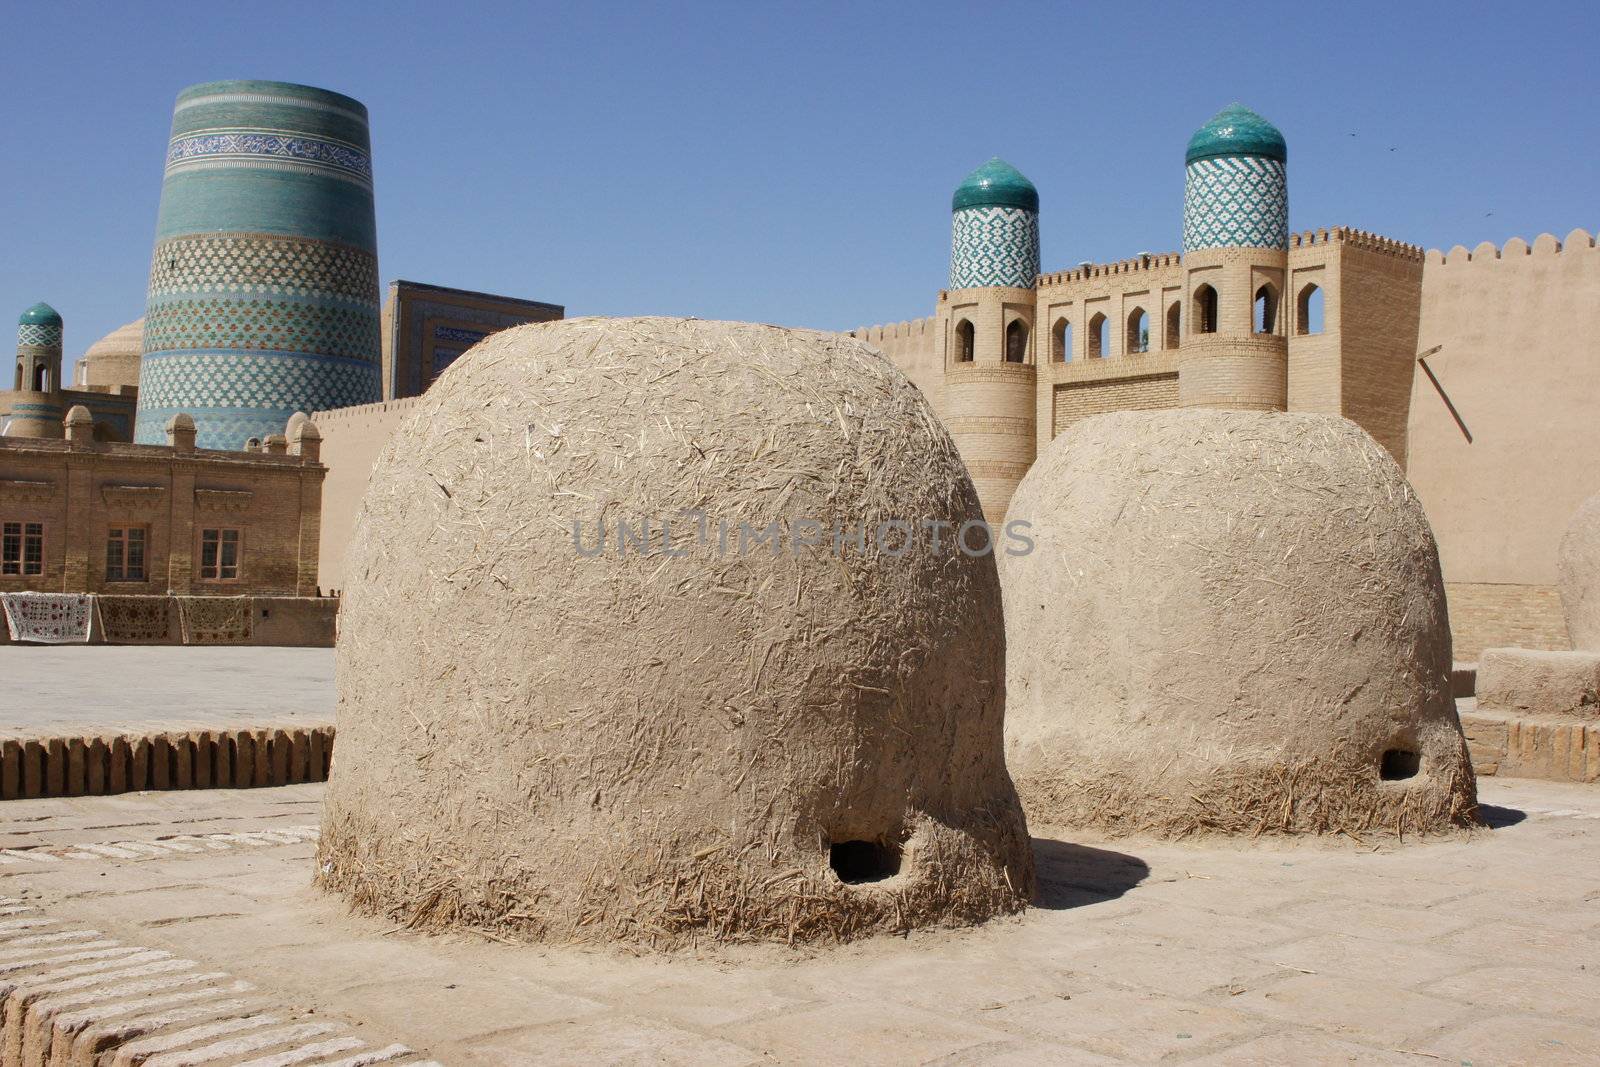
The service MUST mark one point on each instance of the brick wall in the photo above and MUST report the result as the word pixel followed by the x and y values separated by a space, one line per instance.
pixel 1079 400
pixel 1504 616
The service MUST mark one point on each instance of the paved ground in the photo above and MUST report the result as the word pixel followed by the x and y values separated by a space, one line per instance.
pixel 51 689
pixel 1477 950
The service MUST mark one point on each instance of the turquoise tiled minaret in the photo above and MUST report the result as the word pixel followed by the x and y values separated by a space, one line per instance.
pixel 263 295
pixel 1236 192
pixel 994 236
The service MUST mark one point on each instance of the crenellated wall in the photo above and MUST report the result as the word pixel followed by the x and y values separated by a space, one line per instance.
pixel 1519 328
pixel 913 347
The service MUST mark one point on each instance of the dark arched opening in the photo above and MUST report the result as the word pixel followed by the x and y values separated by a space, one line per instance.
pixel 1205 310
pixel 1174 334
pixel 964 341
pixel 1099 339
pixel 1266 309
pixel 1017 342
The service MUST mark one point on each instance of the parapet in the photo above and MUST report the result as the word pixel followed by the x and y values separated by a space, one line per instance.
pixel 893 331
pixel 1143 262
pixel 358 412
pixel 1365 239
pixel 1546 244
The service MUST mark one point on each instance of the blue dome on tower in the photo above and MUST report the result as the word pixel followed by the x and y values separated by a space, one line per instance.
pixel 996 184
pixel 40 315
pixel 1237 131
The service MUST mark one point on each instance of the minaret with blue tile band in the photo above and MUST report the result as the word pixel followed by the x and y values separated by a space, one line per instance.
pixel 263 296
pixel 994 238
pixel 1236 191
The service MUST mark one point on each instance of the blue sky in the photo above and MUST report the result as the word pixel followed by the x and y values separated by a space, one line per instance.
pixel 793 163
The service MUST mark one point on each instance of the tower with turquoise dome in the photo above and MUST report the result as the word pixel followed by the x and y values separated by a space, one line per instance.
pixel 1235 258
pixel 35 407
pixel 263 296
pixel 985 329
pixel 994 237
pixel 1236 189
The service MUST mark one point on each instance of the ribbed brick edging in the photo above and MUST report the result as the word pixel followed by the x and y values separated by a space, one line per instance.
pixel 189 759
pixel 1549 748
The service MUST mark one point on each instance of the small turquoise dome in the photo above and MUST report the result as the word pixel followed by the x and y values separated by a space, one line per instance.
pixel 40 315
pixel 1237 131
pixel 996 184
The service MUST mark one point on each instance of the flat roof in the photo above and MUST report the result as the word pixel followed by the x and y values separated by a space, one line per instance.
pixel 423 286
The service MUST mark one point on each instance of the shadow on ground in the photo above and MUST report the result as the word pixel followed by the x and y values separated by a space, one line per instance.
pixel 1071 876
pixel 1498 818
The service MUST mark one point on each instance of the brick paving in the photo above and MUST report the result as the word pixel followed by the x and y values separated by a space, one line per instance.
pixel 1481 950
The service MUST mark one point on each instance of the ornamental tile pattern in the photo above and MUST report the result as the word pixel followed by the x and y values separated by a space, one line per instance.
pixel 265 325
pixel 248 146
pixel 994 246
pixel 43 336
pixel 234 395
pixel 263 263
pixel 1235 202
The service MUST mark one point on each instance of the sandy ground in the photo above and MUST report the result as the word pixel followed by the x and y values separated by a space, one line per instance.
pixel 1481 948
pixel 68 688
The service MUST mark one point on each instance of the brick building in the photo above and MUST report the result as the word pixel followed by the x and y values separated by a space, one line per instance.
pixel 81 515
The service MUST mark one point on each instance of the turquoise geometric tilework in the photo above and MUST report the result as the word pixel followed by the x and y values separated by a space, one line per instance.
pixel 257 391
pixel 1235 202
pixel 269 325
pixel 48 336
pixel 247 264
pixel 994 246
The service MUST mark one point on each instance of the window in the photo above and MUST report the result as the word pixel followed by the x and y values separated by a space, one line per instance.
pixel 1138 338
pixel 22 548
pixel 1173 323
pixel 1061 341
pixel 219 555
pixel 1308 312
pixel 125 554
pixel 1017 342
pixel 1266 309
pixel 964 340
pixel 1205 310
pixel 1099 342
pixel 41 379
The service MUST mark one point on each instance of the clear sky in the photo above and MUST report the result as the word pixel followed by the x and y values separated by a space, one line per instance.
pixel 793 163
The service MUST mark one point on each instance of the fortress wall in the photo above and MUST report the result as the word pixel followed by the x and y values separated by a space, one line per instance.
pixel 1381 284
pixel 1520 327
pixel 912 347
pixel 351 440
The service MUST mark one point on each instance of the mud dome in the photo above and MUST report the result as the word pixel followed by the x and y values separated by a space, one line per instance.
pixel 553 739
pixel 1233 622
